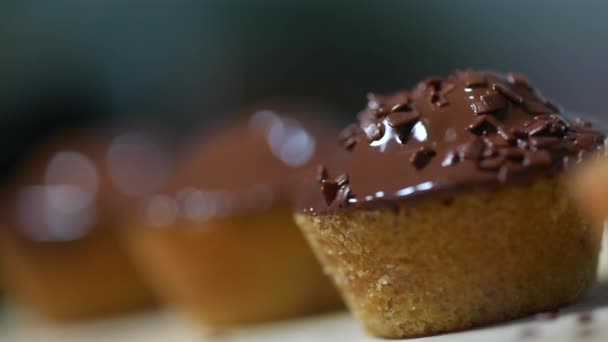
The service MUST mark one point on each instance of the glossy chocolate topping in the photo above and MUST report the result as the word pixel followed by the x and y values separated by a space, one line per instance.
pixel 471 129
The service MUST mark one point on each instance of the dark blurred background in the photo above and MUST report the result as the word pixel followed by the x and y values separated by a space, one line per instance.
pixel 183 64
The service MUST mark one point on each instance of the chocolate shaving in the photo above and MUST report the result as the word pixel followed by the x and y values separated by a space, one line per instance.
pixel 585 141
pixel 552 107
pixel 422 157
pixel 380 112
pixel 437 99
pixel 537 158
pixel 515 133
pixel 402 119
pixel 535 107
pixel 508 93
pixel 496 141
pixel 342 179
pixel 402 106
pixel 433 82
pixel 482 126
pixel 507 171
pixel 447 88
pixel 349 143
pixel 492 163
pixel 537 128
pixel 492 101
pixel 544 142
pixel 329 189
pixel 489 152
pixel 472 149
pixel 512 153
pixel 519 80
pixel 344 193
pixel 321 173
pixel 475 80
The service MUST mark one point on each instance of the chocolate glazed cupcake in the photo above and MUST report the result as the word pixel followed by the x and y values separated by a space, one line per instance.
pixel 59 250
pixel 221 244
pixel 451 212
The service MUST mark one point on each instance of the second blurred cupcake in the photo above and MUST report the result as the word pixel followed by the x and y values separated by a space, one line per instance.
pixel 58 242
pixel 222 244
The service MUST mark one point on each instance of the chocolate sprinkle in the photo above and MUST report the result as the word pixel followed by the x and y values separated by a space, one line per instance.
pixel 508 93
pixel 329 188
pixel 482 126
pixel 492 163
pixel 585 141
pixel 401 106
pixel 492 101
pixel 321 173
pixel 543 142
pixel 475 80
pixel 342 179
pixel 537 158
pixel 471 150
pixel 343 195
pixel 537 128
pixel 534 107
pixel 433 82
pixel 447 89
pixel 495 141
pixel 438 99
pixel 552 107
pixel 519 80
pixel 422 157
pixel 402 119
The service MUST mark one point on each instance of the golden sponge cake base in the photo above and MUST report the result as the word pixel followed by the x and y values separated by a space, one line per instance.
pixel 234 270
pixel 460 261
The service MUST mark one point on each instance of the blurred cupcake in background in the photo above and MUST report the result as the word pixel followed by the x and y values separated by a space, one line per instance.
pixel 59 250
pixel 221 244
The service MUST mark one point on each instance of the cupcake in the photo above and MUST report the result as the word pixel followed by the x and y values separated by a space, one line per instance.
pixel 220 245
pixel 58 245
pixel 451 211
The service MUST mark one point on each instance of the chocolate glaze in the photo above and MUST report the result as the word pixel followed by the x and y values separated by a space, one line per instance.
pixel 470 130
pixel 248 163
